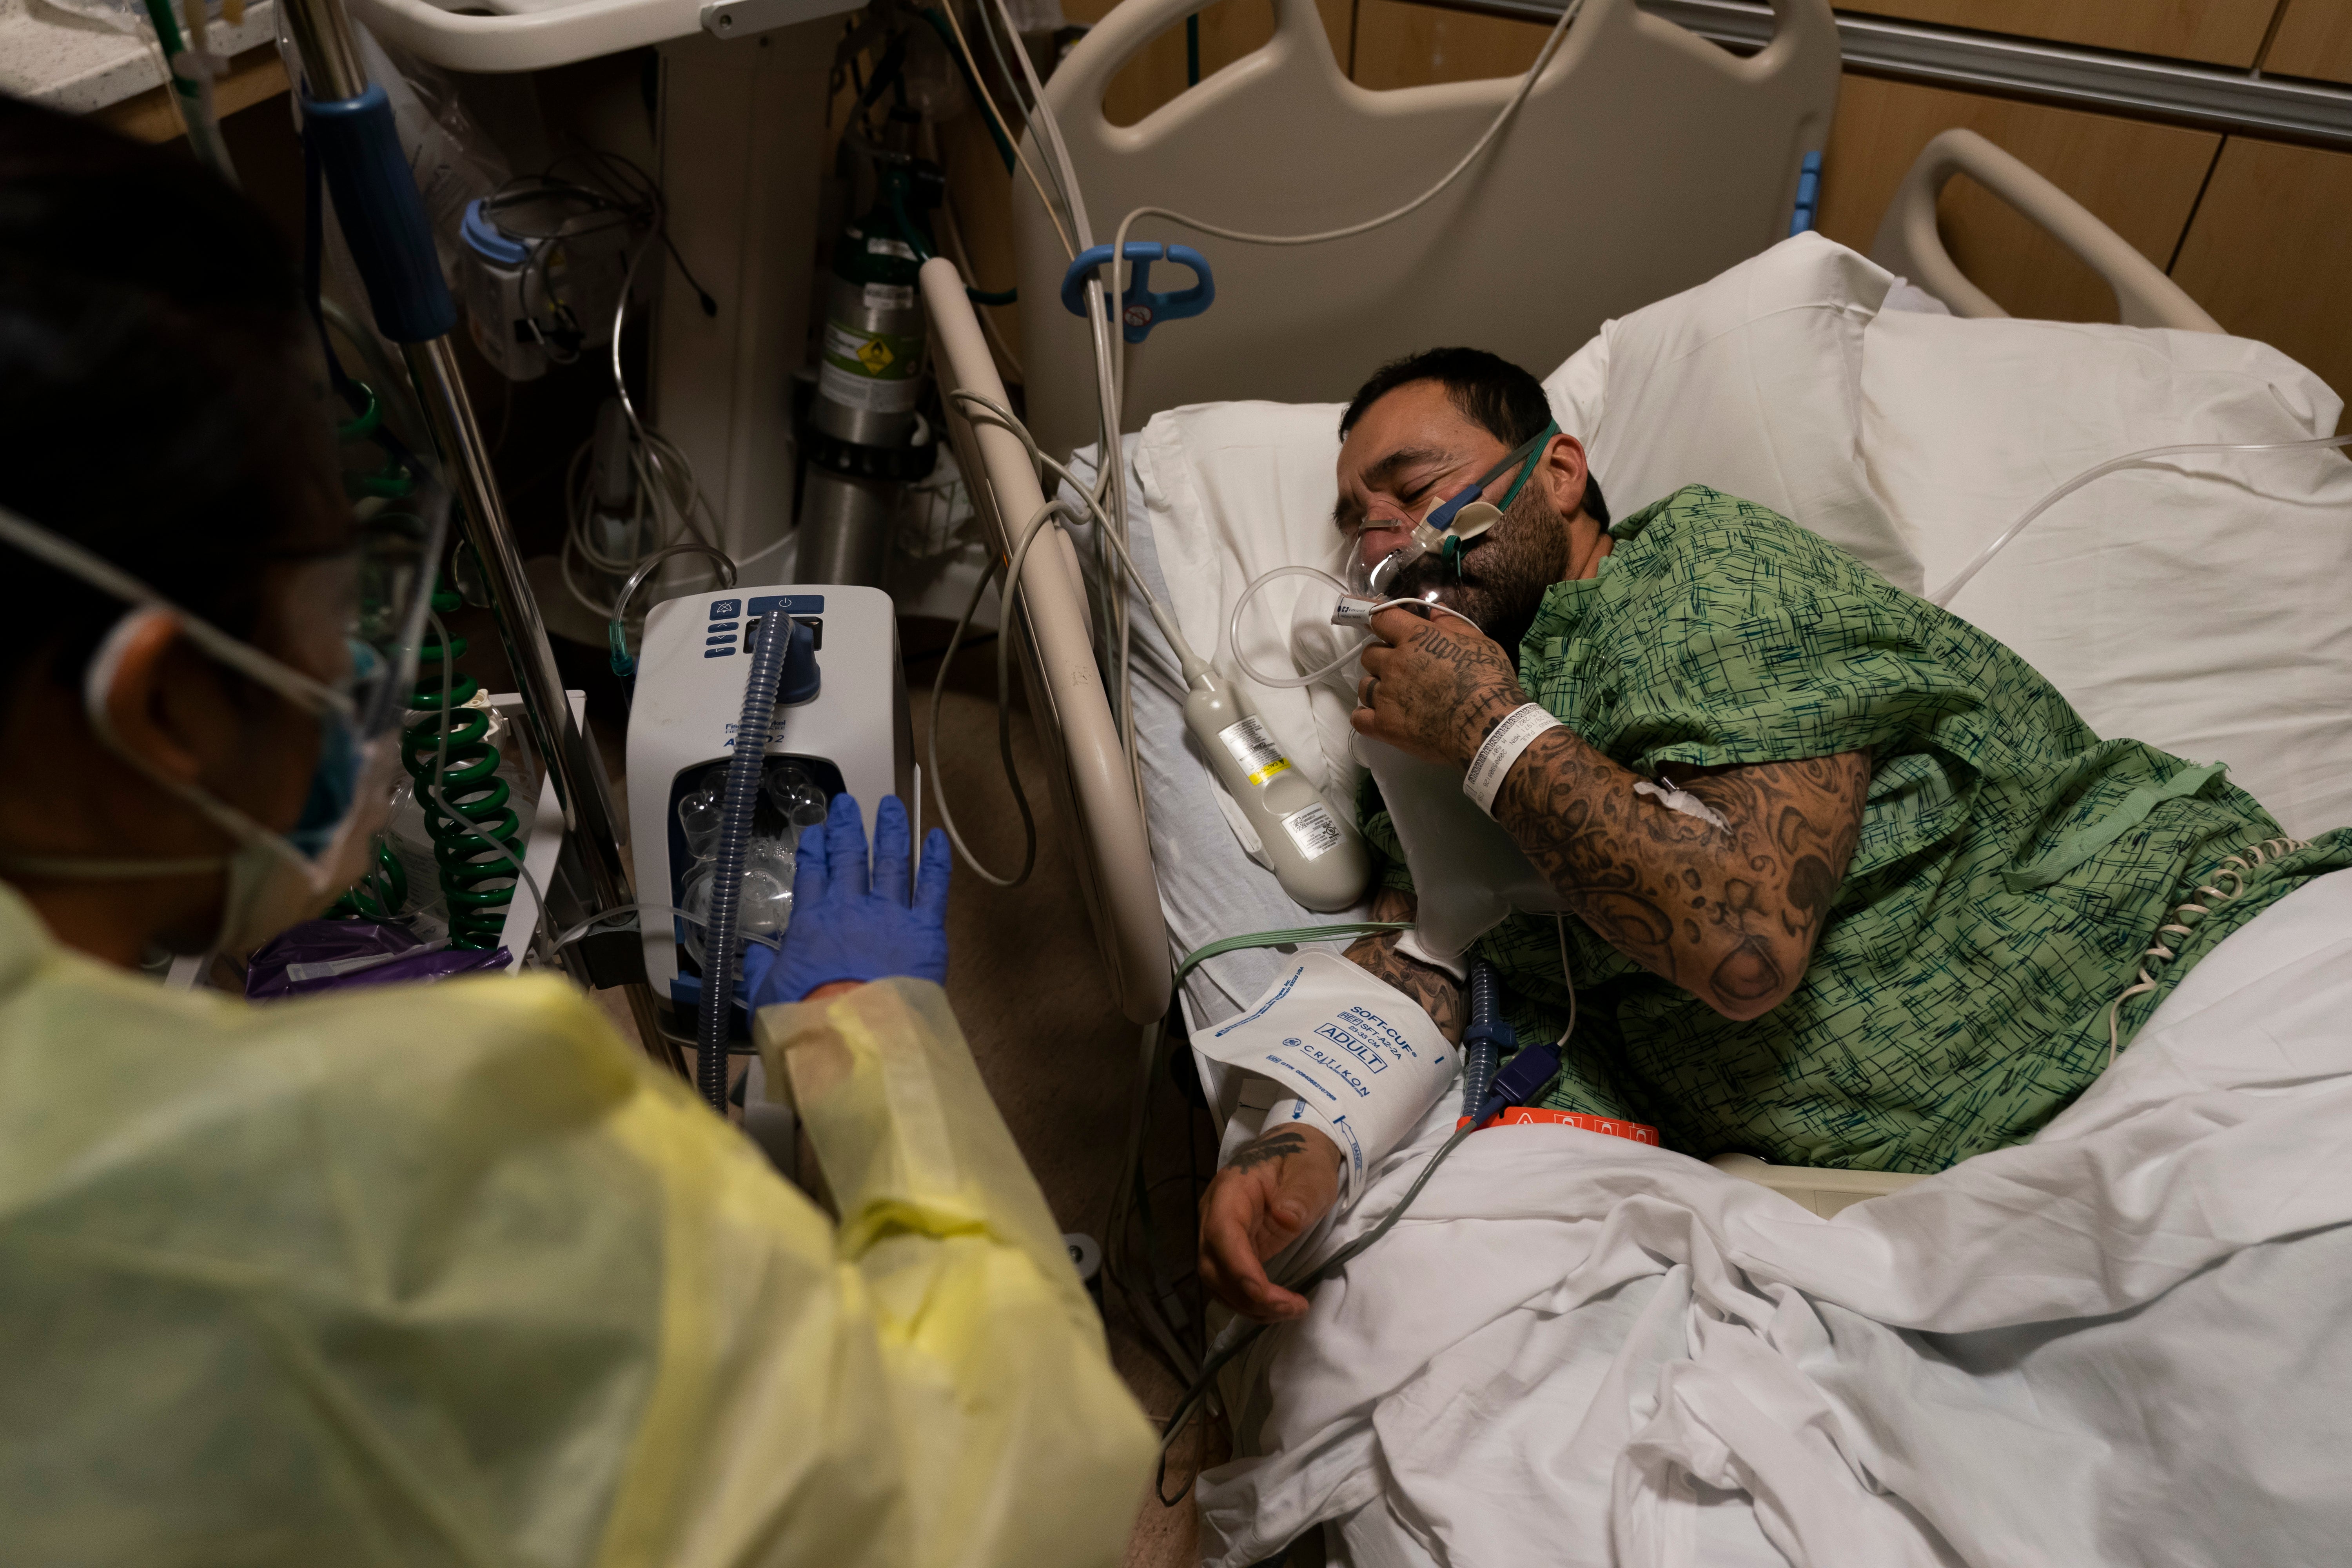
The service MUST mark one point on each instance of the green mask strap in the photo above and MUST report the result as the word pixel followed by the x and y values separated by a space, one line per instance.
pixel 1535 450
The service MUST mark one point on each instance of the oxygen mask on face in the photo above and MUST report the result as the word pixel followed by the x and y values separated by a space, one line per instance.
pixel 1388 557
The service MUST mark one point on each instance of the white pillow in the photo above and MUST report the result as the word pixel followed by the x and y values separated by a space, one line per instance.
pixel 1751 384
pixel 2204 606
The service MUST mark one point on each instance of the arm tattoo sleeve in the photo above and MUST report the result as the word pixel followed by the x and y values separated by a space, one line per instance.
pixel 1439 994
pixel 1729 914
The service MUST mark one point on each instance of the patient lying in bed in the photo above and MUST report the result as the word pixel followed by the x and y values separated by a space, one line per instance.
pixel 1853 886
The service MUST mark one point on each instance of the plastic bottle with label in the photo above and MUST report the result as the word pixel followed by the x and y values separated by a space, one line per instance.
pixel 1317 853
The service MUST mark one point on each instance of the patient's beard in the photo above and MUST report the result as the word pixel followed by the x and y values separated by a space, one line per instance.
pixel 1505 571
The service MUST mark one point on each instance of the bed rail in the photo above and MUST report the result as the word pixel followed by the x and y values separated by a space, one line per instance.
pixel 1908 244
pixel 1092 784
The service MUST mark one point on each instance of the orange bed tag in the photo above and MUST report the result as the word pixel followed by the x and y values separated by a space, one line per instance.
pixel 1607 1126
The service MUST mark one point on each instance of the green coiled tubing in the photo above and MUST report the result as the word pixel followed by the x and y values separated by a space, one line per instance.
pixel 479 850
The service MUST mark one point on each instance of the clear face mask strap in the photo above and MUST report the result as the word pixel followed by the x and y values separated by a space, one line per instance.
pixel 104 575
pixel 97 690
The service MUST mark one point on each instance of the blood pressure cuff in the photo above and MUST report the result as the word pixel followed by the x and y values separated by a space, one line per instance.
pixel 1363 1060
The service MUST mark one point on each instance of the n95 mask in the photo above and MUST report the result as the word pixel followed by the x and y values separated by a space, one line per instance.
pixel 1364 1060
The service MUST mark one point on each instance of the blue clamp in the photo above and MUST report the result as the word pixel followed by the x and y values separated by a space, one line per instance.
pixel 1140 310
pixel 1809 195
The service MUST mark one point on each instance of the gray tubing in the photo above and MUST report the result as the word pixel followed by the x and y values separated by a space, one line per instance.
pixel 1479 1061
pixel 727 873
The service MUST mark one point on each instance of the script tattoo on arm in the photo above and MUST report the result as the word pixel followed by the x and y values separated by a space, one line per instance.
pixel 1278 1145
pixel 1439 994
pixel 1729 914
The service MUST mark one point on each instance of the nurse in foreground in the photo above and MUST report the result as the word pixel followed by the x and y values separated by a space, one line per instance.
pixel 444 1273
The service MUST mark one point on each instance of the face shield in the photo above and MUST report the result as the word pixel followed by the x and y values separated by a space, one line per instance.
pixel 377 607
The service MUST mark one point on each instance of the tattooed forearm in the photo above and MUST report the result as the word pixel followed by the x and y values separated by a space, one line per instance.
pixel 1439 994
pixel 1731 914
pixel 1277 1145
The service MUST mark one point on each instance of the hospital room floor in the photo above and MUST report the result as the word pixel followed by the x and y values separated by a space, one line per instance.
pixel 1056 1055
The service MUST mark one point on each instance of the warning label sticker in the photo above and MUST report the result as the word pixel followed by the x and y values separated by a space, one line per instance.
pixel 884 355
pixel 1313 830
pixel 1254 747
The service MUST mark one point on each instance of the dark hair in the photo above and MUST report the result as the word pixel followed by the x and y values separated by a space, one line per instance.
pixel 1491 391
pixel 162 396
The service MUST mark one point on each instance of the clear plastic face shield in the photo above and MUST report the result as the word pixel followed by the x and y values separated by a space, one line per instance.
pixel 374 597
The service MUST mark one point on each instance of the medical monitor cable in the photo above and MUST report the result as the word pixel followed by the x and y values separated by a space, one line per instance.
pixel 1942 597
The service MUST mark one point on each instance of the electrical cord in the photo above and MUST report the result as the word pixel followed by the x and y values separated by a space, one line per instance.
pixel 1029 533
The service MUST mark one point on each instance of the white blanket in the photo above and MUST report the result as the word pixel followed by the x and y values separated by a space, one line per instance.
pixel 2123 1342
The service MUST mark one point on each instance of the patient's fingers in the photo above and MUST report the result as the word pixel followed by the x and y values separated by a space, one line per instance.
pixel 1397 627
pixel 1237 1222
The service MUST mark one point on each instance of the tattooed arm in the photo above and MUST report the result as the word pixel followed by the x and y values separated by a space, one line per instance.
pixel 1280 1183
pixel 1439 994
pixel 1729 912
pixel 1273 1189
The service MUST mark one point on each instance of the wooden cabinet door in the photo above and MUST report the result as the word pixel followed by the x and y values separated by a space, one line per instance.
pixel 2270 252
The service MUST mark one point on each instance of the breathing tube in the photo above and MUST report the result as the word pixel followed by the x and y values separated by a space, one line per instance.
pixel 1349 609
pixel 1942 597
pixel 742 794
pixel 1447 531
pixel 1488 1035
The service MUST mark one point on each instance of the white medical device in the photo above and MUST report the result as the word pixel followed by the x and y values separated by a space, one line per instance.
pixel 1319 858
pixel 852 735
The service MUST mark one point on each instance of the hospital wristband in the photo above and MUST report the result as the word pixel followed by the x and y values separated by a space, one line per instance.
pixel 1483 779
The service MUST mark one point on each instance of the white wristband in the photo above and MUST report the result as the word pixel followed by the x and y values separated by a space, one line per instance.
pixel 1503 744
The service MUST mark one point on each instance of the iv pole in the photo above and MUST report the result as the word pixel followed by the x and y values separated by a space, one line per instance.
pixel 384 219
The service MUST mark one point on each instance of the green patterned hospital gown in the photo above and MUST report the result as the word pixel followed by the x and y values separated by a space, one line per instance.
pixel 2012 867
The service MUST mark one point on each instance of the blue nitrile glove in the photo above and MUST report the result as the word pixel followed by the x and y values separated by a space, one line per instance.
pixel 841 928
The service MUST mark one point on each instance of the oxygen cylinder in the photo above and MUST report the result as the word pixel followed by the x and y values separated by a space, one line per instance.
pixel 864 438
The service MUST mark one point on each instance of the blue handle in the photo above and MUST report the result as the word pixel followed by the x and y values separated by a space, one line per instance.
pixel 1809 195
pixel 382 214
pixel 1140 310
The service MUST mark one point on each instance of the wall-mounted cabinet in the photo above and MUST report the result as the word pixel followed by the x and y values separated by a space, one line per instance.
pixel 2270 251
pixel 2314 39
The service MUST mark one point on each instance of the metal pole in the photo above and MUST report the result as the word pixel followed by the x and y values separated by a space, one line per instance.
pixel 330 63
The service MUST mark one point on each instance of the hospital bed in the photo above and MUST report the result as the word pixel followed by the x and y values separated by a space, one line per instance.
pixel 1526 291
pixel 1884 402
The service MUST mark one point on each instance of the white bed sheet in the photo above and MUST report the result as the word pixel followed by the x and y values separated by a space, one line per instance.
pixel 2121 1343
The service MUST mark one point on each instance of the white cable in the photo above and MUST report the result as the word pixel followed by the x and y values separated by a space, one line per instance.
pixel 1004 125
pixel 1942 597
pixel 1495 128
pixel 1029 533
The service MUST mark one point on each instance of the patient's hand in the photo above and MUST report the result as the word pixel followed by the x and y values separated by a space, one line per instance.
pixel 1436 690
pixel 1273 1189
